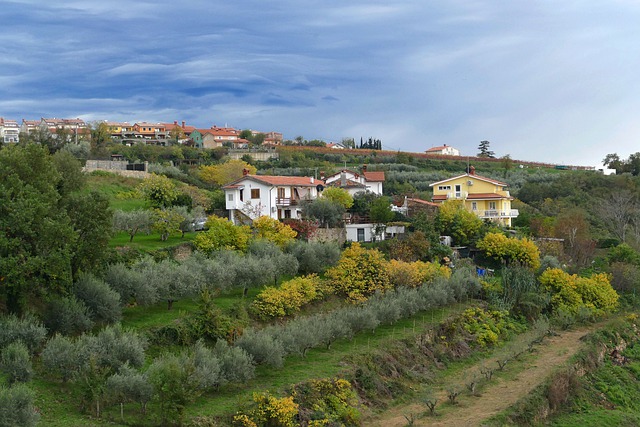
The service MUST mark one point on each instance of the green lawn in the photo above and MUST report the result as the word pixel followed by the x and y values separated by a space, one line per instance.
pixel 150 242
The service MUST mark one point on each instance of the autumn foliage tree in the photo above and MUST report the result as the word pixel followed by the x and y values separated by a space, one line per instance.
pixel 360 273
pixel 225 172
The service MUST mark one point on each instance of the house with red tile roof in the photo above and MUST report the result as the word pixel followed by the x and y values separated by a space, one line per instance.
pixel 279 197
pixel 488 198
pixel 445 150
pixel 9 131
pixel 355 182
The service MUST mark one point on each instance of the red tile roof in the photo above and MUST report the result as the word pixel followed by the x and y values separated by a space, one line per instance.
pixel 297 181
pixel 422 202
pixel 377 176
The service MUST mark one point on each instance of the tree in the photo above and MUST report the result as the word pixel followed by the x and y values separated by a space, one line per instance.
pixel 166 221
pixel 380 211
pixel 484 150
pixel 360 273
pixel 159 190
pixel 326 212
pixel 273 230
pixel 338 195
pixel 222 234
pixel 454 220
pixel 15 362
pixel 613 161
pixel 92 222
pixel 226 172
pixel 132 222
pixel 348 143
pixel 618 211
pixel 35 243
pixel 507 164
pixel 100 135
pixel 17 406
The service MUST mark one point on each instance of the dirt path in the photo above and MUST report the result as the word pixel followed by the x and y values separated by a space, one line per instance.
pixel 495 396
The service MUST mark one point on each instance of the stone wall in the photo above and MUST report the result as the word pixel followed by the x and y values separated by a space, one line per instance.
pixel 330 235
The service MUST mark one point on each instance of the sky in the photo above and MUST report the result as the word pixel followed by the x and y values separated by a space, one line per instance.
pixel 550 81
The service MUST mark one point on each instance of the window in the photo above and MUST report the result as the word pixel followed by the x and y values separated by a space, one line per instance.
pixel 287 213
pixel 474 206
pixel 241 195
pixel 492 206
pixel 255 193
pixel 360 234
pixel 444 187
pixel 230 197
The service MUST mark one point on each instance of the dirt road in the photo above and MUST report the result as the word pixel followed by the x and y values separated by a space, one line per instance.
pixel 497 395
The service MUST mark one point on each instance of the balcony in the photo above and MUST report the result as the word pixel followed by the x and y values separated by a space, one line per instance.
pixel 457 195
pixel 511 213
pixel 286 201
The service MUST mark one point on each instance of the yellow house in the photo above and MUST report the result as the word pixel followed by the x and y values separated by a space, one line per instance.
pixel 486 197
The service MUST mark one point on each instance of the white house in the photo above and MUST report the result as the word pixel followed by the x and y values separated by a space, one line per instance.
pixel 355 182
pixel 279 197
pixel 9 130
pixel 444 150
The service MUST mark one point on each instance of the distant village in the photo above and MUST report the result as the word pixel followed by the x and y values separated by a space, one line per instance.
pixel 174 133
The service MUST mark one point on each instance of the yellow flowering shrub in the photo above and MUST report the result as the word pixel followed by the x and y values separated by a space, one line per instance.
pixel 360 273
pixel 332 401
pixel 273 230
pixel 414 274
pixel 570 292
pixel 405 274
pixel 273 411
pixel 499 247
pixel 431 270
pixel 288 298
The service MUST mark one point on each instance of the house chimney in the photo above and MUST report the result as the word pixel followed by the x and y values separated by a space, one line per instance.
pixel 183 124
pixel 472 170
pixel 313 180
pixel 245 172
pixel 175 122
pixel 322 175
pixel 364 168
pixel 343 179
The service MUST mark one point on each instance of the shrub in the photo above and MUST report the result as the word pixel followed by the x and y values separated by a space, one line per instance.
pixel 286 300
pixel 570 292
pixel 16 363
pixel 269 411
pixel 17 407
pixel 28 330
pixel 360 273
pixel 175 383
pixel 501 248
pixel 102 301
pixel 273 230
pixel 330 401
pixel 68 316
